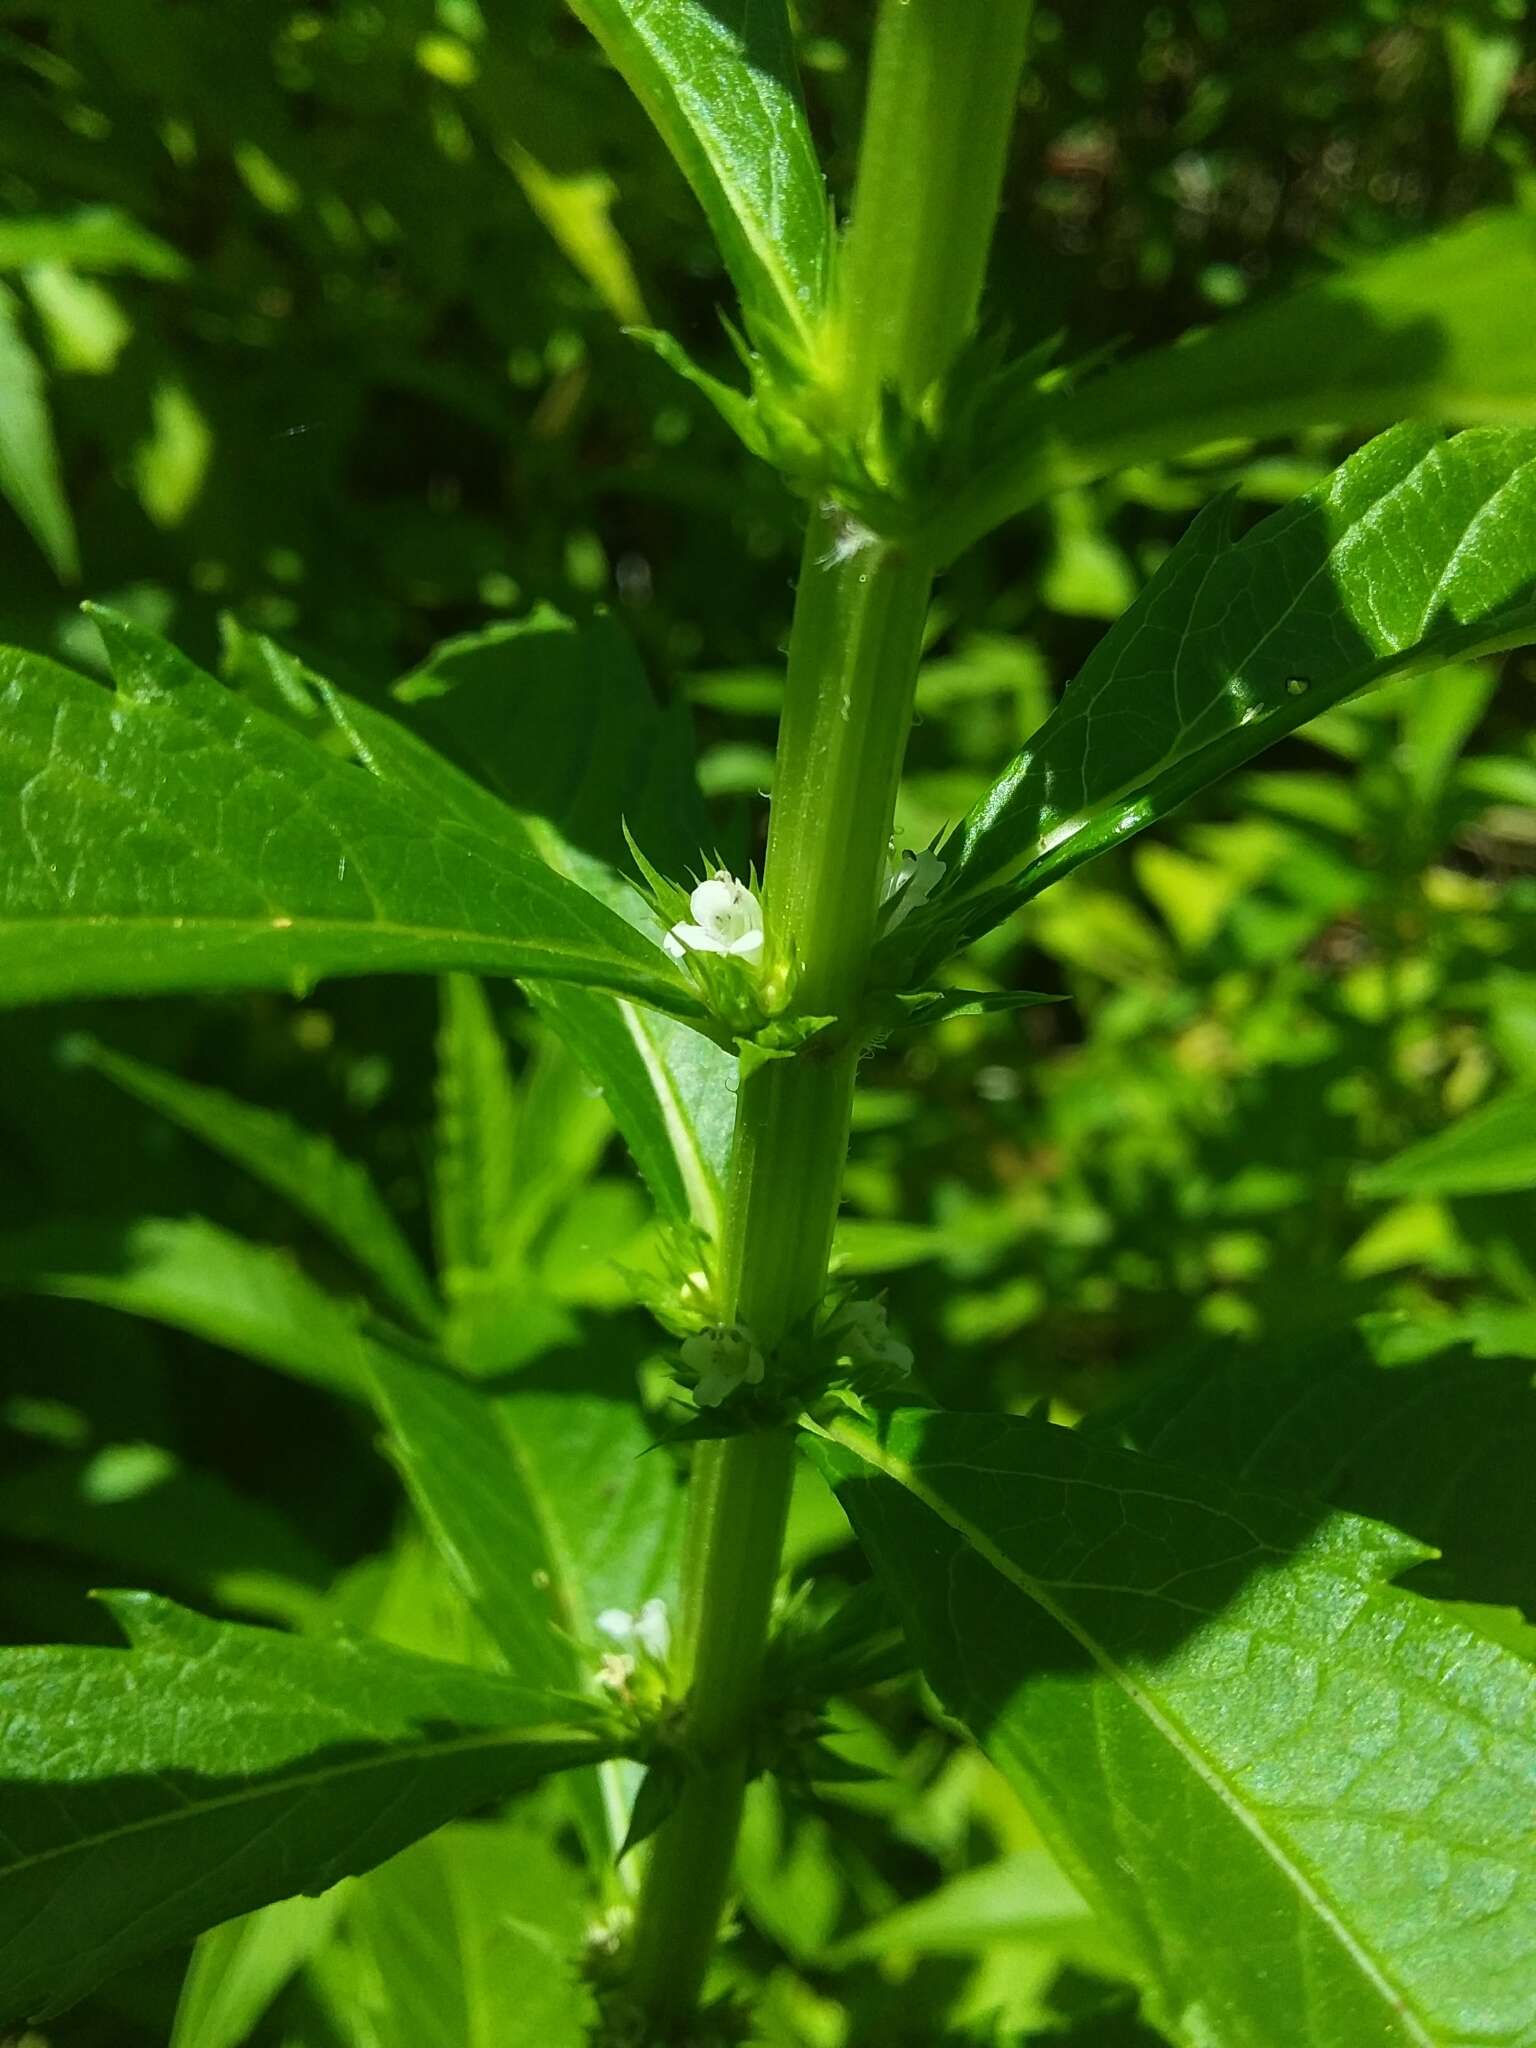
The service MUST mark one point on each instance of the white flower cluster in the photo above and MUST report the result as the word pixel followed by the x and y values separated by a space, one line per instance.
pixel 725 1358
pixel 647 1635
pixel 913 876
pixel 727 919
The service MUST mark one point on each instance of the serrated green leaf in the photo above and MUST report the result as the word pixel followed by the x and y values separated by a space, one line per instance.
pixel 718 79
pixel 208 1769
pixel 197 1277
pixel 1490 1151
pixel 1299 1796
pixel 1416 552
pixel 471 1940
pixel 1441 1445
pixel 1435 330
pixel 301 1166
pixel 546 1511
pixel 170 836
pixel 30 477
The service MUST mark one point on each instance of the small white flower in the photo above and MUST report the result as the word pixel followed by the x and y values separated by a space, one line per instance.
pixel 728 919
pixel 913 878
pixel 865 1335
pixel 653 1631
pixel 724 1359
pixel 649 1632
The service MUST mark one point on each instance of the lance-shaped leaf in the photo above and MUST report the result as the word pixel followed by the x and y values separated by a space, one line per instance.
pixel 237 1969
pixel 718 79
pixel 670 1088
pixel 1436 330
pixel 131 1506
pixel 1491 1151
pixel 30 477
pixel 303 1167
pixel 154 1791
pixel 172 836
pixel 1418 551
pixel 547 1511
pixel 471 1941
pixel 194 1276
pixel 1300 1797
pixel 97 238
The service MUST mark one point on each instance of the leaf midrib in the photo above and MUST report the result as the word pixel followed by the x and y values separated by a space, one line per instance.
pixel 550 1735
pixel 1369 1966
pixel 263 924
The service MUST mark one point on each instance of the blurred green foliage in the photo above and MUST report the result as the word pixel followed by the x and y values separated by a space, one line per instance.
pixel 322 310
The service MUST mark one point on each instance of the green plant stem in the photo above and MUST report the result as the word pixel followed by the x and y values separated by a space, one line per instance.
pixel 944 83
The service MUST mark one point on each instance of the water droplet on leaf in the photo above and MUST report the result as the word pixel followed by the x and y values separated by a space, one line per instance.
pixel 1297 686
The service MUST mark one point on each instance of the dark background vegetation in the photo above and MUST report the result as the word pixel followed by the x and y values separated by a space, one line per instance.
pixel 378 394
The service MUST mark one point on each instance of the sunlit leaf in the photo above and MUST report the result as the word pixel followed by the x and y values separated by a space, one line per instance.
pixel 171 836
pixel 1414 553
pixel 1299 1796
pixel 717 77
pixel 239 1968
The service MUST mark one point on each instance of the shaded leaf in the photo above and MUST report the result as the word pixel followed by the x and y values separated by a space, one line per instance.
pixel 471 1940
pixel 1441 1446
pixel 1024 1894
pixel 559 722
pixel 474 1154
pixel 196 1277
pixel 1435 330
pixel 547 1512
pixel 209 1769
pixel 238 1969
pixel 132 1506
pixel 671 1090
pixel 301 1166
pixel 30 478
